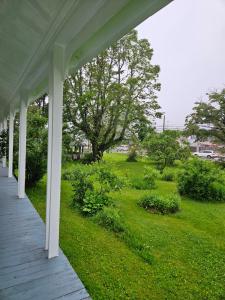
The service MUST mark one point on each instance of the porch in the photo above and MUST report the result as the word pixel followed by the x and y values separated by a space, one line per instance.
pixel 41 43
pixel 25 270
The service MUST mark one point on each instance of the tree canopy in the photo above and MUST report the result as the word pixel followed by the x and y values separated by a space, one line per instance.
pixel 164 148
pixel 211 113
pixel 113 93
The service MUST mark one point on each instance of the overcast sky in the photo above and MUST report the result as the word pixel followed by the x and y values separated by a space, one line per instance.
pixel 188 38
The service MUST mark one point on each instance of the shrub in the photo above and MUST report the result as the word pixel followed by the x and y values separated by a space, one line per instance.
pixel 178 163
pixel 81 185
pixel 108 180
pixel 35 166
pixel 217 191
pixel 91 185
pixel 3 143
pixel 168 174
pixel 87 158
pixel 202 180
pixel 139 183
pixel 94 201
pixel 67 175
pixel 111 219
pixel 150 177
pixel 163 205
pixel 132 155
pixel 148 181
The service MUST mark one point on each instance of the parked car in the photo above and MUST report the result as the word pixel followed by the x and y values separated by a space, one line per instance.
pixel 122 148
pixel 206 154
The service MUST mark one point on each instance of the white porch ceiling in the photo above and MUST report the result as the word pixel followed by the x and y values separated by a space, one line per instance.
pixel 29 29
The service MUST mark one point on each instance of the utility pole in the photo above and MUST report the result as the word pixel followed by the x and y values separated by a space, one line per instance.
pixel 164 122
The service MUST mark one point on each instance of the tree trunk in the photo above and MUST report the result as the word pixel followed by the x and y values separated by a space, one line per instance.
pixel 96 152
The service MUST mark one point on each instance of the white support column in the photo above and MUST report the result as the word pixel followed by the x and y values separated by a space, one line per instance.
pixel 4 157
pixel 22 149
pixel 11 131
pixel 55 150
pixel 48 196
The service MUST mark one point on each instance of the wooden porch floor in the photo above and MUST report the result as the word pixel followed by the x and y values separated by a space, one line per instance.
pixel 25 271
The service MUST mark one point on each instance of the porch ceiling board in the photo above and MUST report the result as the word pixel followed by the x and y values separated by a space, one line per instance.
pixel 29 29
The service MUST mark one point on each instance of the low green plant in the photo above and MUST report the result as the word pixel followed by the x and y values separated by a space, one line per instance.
pixel 94 201
pixel 160 204
pixel 108 180
pixel 111 219
pixel 202 180
pixel 67 175
pixel 178 163
pixel 91 187
pixel 82 185
pixel 148 181
pixel 168 174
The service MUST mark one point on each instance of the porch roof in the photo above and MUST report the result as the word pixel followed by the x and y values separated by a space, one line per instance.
pixel 29 29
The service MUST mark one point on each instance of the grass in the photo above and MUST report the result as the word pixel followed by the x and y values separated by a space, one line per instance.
pixel 186 249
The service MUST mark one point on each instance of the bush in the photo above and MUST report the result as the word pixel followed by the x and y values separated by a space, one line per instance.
pixel 94 201
pixel 148 181
pixel 109 181
pixel 163 205
pixel 87 159
pixel 67 175
pixel 168 174
pixel 82 184
pixel 35 166
pixel 150 177
pixel 111 219
pixel 3 143
pixel 202 180
pixel 178 163
pixel 217 190
pixel 91 185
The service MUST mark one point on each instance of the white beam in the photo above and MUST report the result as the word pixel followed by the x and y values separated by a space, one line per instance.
pixel 11 131
pixel 22 149
pixel 54 156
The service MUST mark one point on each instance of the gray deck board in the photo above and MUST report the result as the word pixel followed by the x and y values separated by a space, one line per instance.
pixel 25 271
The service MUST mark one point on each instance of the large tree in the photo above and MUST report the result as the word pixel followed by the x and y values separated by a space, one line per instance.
pixel 109 96
pixel 211 113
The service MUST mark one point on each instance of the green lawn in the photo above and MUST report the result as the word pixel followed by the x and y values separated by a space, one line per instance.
pixel 187 249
